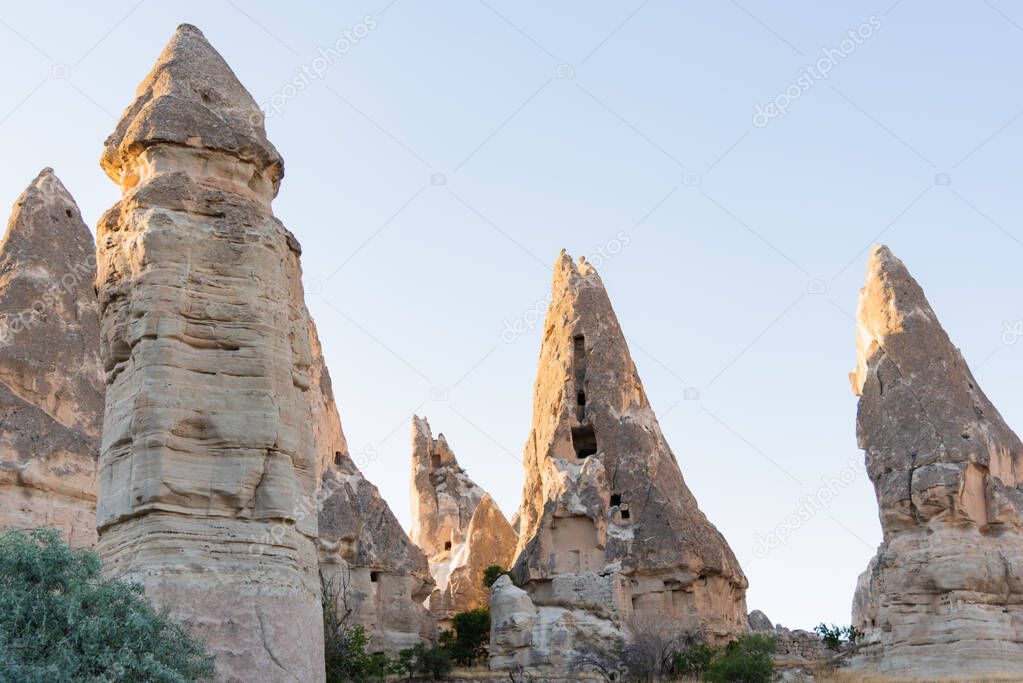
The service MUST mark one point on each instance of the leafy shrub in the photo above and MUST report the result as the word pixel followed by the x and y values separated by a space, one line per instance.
pixel 693 660
pixel 468 643
pixel 492 573
pixel 426 660
pixel 744 660
pixel 60 620
pixel 834 636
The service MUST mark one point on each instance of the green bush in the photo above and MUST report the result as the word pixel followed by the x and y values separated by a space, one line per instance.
pixel 694 660
pixel 834 636
pixel 492 573
pixel 471 636
pixel 60 620
pixel 425 660
pixel 744 660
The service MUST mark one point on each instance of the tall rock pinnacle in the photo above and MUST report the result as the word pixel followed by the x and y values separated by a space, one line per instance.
pixel 943 597
pixel 51 381
pixel 365 555
pixel 606 518
pixel 456 523
pixel 207 468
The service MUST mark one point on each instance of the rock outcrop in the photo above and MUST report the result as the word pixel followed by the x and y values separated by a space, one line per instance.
pixel 610 535
pixel 457 525
pixel 367 561
pixel 51 380
pixel 944 595
pixel 207 464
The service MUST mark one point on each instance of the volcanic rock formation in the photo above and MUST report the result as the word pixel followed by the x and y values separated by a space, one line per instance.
pixel 610 535
pixel 51 380
pixel 944 595
pixel 456 523
pixel 207 463
pixel 367 562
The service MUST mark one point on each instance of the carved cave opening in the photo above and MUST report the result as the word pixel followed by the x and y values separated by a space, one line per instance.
pixel 374 576
pixel 584 440
pixel 337 458
pixel 447 545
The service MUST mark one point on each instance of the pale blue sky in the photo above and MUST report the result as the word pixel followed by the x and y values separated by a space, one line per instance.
pixel 645 129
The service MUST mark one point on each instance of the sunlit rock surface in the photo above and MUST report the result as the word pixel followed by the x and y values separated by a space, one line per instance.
pixel 610 535
pixel 942 597
pixel 207 462
pixel 457 525
pixel 51 380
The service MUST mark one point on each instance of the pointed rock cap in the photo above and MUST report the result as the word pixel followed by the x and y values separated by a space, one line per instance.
pixel 46 227
pixel 192 98
pixel 892 308
pixel 922 418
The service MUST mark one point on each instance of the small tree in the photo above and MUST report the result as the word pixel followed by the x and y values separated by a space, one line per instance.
pixel 428 660
pixel 492 573
pixel 746 659
pixel 344 642
pixel 60 620
pixel 835 636
pixel 468 643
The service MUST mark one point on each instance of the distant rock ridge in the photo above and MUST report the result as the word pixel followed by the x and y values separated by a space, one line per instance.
pixel 363 550
pixel 943 597
pixel 207 473
pixel 51 380
pixel 610 535
pixel 457 524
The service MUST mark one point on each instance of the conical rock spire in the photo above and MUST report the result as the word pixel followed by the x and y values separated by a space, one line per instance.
pixel 947 472
pixel 456 523
pixel 191 98
pixel 208 474
pixel 51 381
pixel 606 517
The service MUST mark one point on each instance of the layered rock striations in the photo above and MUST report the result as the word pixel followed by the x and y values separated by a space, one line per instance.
pixel 610 535
pixel 943 597
pixel 207 464
pixel 51 380
pixel 367 561
pixel 456 523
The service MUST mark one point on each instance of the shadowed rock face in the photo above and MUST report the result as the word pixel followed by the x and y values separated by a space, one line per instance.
pixel 457 524
pixel 51 381
pixel 942 598
pixel 607 524
pixel 207 465
pixel 362 548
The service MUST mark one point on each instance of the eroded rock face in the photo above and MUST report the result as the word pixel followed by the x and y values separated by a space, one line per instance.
pixel 51 380
pixel 207 464
pixel 942 598
pixel 365 555
pixel 456 523
pixel 608 528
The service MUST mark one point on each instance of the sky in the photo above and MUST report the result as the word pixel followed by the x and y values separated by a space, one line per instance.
pixel 725 165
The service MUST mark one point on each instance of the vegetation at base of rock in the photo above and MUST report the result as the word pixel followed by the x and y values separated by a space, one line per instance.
pixel 835 636
pixel 747 659
pixel 663 653
pixel 468 642
pixel 60 620
pixel 492 573
pixel 433 661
